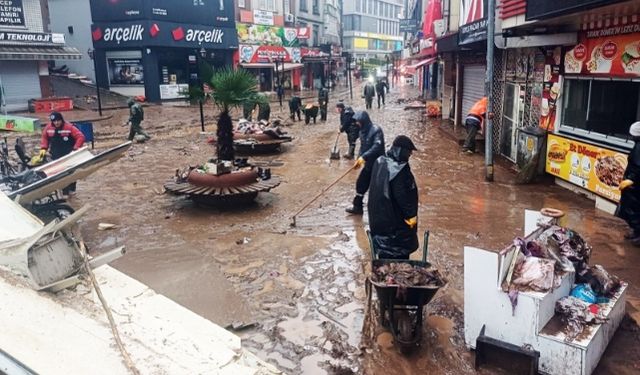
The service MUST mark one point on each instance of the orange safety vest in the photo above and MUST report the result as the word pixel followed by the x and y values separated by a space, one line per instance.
pixel 479 110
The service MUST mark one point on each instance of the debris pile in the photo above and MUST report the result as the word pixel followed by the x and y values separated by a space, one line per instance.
pixel 407 275
pixel 577 314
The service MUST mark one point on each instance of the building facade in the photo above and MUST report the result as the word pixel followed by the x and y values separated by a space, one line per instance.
pixel 371 28
pixel 26 47
pixel 152 47
pixel 69 17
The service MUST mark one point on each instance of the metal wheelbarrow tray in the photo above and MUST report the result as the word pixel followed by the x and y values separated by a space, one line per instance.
pixel 402 308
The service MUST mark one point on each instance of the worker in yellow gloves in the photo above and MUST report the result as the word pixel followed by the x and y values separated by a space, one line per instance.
pixel 393 203
pixel 371 147
pixel 629 207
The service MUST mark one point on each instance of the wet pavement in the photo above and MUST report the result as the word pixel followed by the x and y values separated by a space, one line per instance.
pixel 298 292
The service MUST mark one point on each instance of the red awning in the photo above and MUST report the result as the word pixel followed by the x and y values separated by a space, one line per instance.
pixel 421 63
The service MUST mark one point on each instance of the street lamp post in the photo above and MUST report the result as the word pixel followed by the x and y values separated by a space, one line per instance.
pixel 92 56
pixel 202 54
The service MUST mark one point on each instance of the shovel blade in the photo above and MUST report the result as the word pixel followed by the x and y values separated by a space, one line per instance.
pixel 335 155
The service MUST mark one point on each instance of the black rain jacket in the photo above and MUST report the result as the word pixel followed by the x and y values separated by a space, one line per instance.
pixel 393 197
pixel 371 139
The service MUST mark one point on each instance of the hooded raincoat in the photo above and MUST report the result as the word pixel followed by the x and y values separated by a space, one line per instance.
pixel 393 197
pixel 629 208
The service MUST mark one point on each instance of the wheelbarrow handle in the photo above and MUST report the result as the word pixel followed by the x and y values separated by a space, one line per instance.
pixel 425 246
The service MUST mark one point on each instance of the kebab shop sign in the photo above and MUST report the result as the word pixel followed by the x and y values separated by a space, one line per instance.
pixel 612 51
pixel 596 169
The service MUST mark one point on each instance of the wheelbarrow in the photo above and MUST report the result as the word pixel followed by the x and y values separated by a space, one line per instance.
pixel 401 308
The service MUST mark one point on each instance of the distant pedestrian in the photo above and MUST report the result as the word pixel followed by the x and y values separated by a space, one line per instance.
pixel 393 202
pixel 371 147
pixel 381 86
pixel 369 93
pixel 60 138
pixel 280 93
pixel 629 208
pixel 136 115
pixel 323 101
pixel 348 126
pixel 295 104
pixel 475 123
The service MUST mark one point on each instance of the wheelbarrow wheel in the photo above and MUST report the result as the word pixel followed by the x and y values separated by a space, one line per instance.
pixel 406 331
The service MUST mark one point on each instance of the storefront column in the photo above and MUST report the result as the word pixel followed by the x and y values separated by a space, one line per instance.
pixel 151 74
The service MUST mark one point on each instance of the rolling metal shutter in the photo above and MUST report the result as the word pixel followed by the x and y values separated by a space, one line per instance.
pixel 472 87
pixel 20 82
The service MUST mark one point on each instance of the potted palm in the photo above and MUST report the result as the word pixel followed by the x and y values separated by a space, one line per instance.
pixel 221 180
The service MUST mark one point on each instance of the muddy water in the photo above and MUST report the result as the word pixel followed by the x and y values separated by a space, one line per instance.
pixel 299 291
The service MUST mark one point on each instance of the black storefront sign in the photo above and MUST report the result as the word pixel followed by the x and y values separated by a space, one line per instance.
pixel 162 34
pixel 473 32
pixel 409 25
pixel 11 13
pixel 541 9
pixel 200 12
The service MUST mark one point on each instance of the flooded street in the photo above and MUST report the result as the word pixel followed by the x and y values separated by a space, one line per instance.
pixel 296 295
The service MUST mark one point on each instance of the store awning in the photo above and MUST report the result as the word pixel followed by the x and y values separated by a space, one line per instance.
pixel 287 66
pixel 291 66
pixel 39 53
pixel 421 63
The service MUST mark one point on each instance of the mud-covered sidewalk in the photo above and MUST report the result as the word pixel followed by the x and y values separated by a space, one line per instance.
pixel 296 294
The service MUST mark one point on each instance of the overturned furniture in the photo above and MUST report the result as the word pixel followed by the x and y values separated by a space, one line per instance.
pixel 49 256
pixel 68 169
pixel 491 316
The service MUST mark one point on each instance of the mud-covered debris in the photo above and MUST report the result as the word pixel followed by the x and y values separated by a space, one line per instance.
pixel 407 275
pixel 243 241
pixel 342 237
pixel 106 226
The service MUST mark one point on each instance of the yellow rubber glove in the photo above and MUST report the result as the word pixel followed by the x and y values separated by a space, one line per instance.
pixel 412 222
pixel 42 154
pixel 625 184
pixel 359 163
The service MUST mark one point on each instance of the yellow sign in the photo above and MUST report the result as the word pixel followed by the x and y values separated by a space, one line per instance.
pixel 360 43
pixel 594 168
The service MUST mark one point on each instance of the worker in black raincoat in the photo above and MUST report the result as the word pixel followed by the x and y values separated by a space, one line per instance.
pixel 323 101
pixel 393 203
pixel 629 207
pixel 368 93
pixel 348 125
pixel 371 147
pixel 295 104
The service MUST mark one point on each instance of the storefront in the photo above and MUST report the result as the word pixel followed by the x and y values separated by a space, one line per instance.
pixel 592 105
pixel 153 48
pixel 24 53
pixel 272 53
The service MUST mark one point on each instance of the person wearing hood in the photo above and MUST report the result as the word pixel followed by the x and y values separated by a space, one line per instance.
pixel 323 100
pixel 136 115
pixel 368 93
pixel 371 147
pixel 629 207
pixel 60 138
pixel 393 202
pixel 347 125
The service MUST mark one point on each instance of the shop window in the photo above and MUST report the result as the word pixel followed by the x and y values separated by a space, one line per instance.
pixel 600 108
pixel 316 7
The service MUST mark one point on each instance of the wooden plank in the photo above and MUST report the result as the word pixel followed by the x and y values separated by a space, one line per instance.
pixel 209 191
pixel 225 191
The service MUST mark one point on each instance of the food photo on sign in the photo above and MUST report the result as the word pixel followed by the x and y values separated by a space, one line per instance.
pixel 551 88
pixel 125 71
pixel 596 169
pixel 613 51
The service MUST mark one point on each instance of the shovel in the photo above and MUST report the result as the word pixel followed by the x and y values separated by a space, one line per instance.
pixel 335 153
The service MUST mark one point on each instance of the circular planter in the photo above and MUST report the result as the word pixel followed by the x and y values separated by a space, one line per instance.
pixel 257 137
pixel 232 179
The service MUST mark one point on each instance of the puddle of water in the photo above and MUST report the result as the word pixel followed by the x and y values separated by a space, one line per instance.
pixel 300 330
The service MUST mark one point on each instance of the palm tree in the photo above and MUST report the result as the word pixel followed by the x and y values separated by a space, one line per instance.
pixel 231 88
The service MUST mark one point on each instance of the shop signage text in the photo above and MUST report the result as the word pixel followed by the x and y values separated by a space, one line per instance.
pixel 198 12
pixel 612 51
pixel 156 33
pixel 269 35
pixel 36 38
pixel 11 13
pixel 596 169
pixel 408 25
pixel 262 17
pixel 473 32
pixel 267 54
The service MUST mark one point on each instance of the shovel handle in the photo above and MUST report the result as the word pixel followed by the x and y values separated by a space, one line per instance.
pixel 323 191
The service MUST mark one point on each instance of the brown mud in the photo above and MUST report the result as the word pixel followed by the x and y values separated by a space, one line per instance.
pixel 299 291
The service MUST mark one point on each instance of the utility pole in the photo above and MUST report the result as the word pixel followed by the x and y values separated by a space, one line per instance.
pixel 488 134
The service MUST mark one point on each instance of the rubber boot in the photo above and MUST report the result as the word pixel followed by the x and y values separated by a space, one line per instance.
pixel 352 150
pixel 357 206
